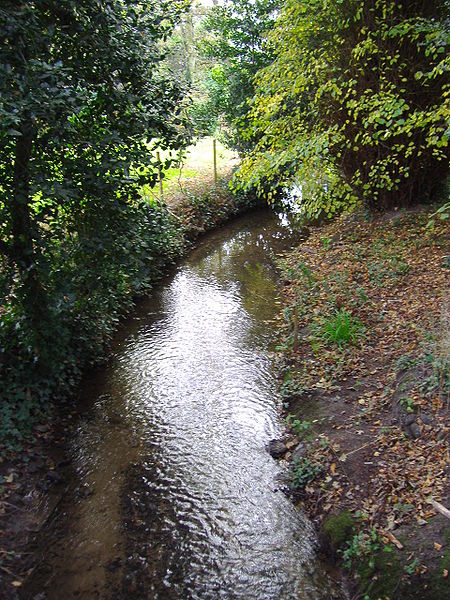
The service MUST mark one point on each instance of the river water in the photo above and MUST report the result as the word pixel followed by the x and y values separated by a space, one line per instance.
pixel 173 494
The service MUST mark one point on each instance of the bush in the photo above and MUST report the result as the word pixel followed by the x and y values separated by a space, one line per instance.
pixel 92 280
pixel 303 473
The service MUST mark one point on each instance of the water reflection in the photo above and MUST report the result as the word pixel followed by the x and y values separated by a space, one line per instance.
pixel 177 440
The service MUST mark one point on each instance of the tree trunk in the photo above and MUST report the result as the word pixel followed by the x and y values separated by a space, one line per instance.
pixel 187 36
pixel 19 206
pixel 24 254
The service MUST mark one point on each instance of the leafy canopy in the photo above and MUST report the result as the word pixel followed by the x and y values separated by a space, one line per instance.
pixel 355 105
pixel 235 39
pixel 83 102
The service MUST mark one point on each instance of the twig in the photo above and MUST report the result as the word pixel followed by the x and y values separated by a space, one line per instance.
pixel 8 571
pixel 439 507
pixel 12 505
pixel 364 446
pixel 173 214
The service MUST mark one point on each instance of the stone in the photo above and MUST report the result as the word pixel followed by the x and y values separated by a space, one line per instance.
pixel 54 477
pixel 276 448
pixel 409 420
pixel 414 431
pixel 298 453
pixel 426 419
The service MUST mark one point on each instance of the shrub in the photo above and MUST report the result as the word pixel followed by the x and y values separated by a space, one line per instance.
pixel 91 281
pixel 301 428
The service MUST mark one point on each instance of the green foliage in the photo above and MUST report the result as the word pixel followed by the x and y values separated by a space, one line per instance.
pixel 301 429
pixel 442 213
pixel 326 242
pixel 355 106
pixel 203 207
pixel 410 568
pixel 205 113
pixel 292 389
pixel 91 282
pixel 378 568
pixel 409 405
pixel 339 328
pixel 303 473
pixel 236 41
pixel 437 367
pixel 361 545
pixel 82 105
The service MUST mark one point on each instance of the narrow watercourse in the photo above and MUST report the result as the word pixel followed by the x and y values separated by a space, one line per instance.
pixel 173 494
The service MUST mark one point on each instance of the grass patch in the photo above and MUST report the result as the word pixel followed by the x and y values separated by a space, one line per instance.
pixel 193 166
pixel 340 328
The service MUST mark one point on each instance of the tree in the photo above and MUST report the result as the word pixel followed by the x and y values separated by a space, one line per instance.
pixel 235 39
pixel 192 69
pixel 355 105
pixel 81 99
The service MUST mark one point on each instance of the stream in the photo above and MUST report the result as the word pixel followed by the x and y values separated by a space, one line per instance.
pixel 172 493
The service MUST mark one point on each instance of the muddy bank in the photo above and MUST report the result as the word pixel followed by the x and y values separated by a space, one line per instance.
pixel 365 384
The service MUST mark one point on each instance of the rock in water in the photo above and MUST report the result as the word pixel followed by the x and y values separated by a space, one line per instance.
pixel 276 448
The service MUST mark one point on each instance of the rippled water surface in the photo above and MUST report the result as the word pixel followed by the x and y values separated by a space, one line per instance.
pixel 174 493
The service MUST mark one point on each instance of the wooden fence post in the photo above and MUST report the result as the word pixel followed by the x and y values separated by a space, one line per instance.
pixel 161 194
pixel 215 161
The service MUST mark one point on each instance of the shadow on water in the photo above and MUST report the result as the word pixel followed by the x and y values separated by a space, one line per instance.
pixel 173 495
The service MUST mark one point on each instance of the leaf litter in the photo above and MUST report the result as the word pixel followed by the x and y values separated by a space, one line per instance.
pixel 381 399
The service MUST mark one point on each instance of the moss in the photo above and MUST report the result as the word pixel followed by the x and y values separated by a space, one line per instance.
pixel 438 584
pixel 380 575
pixel 336 530
pixel 446 535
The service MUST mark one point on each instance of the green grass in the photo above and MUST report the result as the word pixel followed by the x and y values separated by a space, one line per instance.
pixel 339 328
pixel 196 164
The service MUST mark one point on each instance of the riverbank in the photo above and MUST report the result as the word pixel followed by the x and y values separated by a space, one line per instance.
pixel 365 383
pixel 34 472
